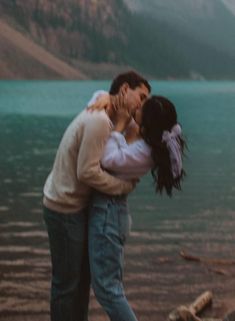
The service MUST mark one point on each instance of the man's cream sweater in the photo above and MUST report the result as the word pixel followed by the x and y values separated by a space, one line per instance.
pixel 76 170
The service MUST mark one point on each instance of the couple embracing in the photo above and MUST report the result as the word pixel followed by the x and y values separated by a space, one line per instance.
pixel 104 151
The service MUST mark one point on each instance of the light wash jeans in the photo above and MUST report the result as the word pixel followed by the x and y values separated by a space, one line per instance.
pixel 70 267
pixel 108 228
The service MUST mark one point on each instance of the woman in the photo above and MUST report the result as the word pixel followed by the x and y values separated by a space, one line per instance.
pixel 157 145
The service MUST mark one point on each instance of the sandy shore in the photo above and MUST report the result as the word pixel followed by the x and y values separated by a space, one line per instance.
pixel 157 279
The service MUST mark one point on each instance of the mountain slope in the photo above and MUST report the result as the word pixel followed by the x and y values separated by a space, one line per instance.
pixel 38 60
pixel 230 4
pixel 163 38
pixel 185 38
pixel 211 22
pixel 81 29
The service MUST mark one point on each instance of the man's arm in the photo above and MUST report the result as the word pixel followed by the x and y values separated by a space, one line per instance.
pixel 95 134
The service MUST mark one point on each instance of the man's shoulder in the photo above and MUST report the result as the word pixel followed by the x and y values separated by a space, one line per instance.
pixel 87 120
pixel 96 117
pixel 87 116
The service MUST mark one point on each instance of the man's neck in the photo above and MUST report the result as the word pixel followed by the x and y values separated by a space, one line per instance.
pixel 111 113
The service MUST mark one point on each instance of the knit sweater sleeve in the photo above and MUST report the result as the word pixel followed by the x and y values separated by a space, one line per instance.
pixel 95 134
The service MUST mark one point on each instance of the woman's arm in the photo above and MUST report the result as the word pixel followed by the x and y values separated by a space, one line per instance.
pixel 119 157
pixel 122 158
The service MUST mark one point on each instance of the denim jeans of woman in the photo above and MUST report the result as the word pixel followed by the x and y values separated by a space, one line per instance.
pixel 108 228
pixel 70 268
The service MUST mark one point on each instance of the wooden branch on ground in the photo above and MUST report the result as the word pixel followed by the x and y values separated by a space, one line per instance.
pixel 218 271
pixel 211 319
pixel 201 259
pixel 188 313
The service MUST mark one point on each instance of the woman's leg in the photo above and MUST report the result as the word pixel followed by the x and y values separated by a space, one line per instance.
pixel 70 266
pixel 107 229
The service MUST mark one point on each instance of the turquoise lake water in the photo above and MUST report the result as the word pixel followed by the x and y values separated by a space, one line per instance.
pixel 34 114
pixel 200 219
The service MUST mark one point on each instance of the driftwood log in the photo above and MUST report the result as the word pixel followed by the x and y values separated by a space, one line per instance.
pixel 189 313
pixel 206 260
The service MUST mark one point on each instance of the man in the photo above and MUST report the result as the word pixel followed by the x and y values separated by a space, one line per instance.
pixel 76 171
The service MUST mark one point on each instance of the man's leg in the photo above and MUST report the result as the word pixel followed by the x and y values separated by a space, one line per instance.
pixel 108 228
pixel 70 265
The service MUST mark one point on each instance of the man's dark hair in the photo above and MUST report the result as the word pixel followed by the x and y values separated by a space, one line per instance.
pixel 131 78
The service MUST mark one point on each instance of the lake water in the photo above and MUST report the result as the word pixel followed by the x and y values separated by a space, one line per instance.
pixel 33 117
pixel 206 111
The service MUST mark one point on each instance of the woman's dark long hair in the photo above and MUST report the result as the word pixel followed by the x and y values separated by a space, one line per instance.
pixel 159 115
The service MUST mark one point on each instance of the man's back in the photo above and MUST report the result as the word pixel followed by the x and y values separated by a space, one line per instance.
pixel 64 190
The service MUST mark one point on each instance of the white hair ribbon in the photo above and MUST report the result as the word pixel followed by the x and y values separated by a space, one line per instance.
pixel 175 151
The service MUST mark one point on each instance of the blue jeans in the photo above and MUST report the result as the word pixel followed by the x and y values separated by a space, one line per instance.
pixel 108 228
pixel 70 284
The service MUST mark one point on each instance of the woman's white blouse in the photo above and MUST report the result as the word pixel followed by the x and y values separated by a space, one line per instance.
pixel 126 161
